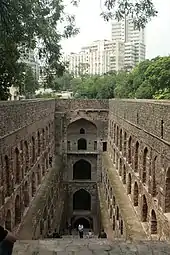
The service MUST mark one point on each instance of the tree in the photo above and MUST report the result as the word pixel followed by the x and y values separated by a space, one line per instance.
pixel 30 83
pixel 31 24
pixel 141 11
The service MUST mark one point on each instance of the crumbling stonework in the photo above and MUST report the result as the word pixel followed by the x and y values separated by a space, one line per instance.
pixel 57 153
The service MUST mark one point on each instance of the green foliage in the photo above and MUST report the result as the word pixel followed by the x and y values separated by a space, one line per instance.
pixel 31 24
pixel 149 79
pixel 141 11
pixel 29 83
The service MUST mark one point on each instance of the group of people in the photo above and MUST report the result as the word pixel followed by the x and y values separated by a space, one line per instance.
pixel 7 240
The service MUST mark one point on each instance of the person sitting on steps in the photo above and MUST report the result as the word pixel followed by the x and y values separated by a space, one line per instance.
pixel 7 240
pixel 102 234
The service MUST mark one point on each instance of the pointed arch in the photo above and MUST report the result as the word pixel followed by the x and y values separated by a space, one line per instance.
pixel 26 195
pixel 144 209
pixel 38 175
pixel 33 184
pixel 124 175
pixel 154 190
pixel 17 166
pixel 39 143
pixel 82 200
pixel 144 173
pixel 136 156
pixel 33 149
pixel 26 153
pixel 8 225
pixel 7 177
pixel 120 167
pixel 120 139
pixel 130 150
pixel 129 184
pixel 82 170
pixel 17 210
pixel 125 144
pixel 82 131
pixel 82 144
pixel 135 194
pixel 153 223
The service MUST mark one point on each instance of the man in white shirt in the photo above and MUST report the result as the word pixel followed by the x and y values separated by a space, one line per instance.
pixel 80 229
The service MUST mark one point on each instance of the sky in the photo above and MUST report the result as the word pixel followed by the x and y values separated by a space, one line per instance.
pixel 93 27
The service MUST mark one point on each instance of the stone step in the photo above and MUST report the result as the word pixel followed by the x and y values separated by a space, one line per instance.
pixel 92 246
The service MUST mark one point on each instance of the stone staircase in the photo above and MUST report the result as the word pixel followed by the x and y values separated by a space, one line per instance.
pixel 94 246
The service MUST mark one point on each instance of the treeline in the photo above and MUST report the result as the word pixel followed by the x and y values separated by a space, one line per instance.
pixel 150 80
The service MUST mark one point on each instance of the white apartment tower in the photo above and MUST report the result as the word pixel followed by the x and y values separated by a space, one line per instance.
pixel 98 58
pixel 134 40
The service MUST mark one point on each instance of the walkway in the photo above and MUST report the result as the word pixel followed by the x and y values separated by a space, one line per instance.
pixel 134 227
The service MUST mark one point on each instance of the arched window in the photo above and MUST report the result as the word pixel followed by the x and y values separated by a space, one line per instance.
pixel 26 195
pixel 136 156
pixel 154 191
pixel 125 144
pixel 26 156
pixel 121 227
pixel 135 194
pixel 81 200
pixel 130 150
pixel 8 220
pixel 117 213
pixel 33 184
pixel 33 149
pixel 82 131
pixel 129 184
pixel 38 174
pixel 121 140
pixel 82 144
pixel 39 143
pixel 82 170
pixel 144 174
pixel 144 209
pixel 124 175
pixel 17 210
pixel 153 223
pixel 120 167
pixel 17 166
pixel 7 174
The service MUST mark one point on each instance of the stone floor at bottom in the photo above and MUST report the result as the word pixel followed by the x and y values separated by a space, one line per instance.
pixel 90 247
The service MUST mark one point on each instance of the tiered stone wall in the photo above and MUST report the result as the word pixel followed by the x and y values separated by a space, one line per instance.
pixel 27 158
pixel 139 146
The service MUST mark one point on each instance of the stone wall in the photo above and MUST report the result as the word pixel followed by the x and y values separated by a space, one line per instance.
pixel 27 159
pixel 84 129
pixel 139 146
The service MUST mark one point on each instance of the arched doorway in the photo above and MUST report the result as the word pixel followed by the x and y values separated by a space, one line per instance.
pixel 82 144
pixel 144 209
pixel 144 173
pixel 129 184
pixel 84 221
pixel 153 223
pixel 17 210
pixel 26 195
pixel 136 156
pixel 82 170
pixel 33 184
pixel 81 200
pixel 8 220
pixel 135 194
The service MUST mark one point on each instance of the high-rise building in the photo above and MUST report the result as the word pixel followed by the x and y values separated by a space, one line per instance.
pixel 98 58
pixel 133 38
